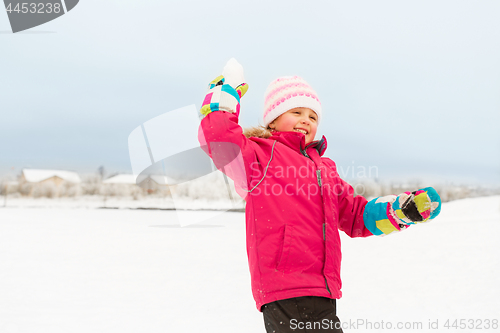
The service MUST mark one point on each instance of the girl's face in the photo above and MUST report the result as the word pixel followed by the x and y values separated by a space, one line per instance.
pixel 302 120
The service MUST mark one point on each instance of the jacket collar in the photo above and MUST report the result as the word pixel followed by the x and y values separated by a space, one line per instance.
pixel 296 141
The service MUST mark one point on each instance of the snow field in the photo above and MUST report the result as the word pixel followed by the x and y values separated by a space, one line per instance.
pixel 92 270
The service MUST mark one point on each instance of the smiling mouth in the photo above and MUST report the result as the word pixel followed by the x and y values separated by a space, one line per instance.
pixel 300 131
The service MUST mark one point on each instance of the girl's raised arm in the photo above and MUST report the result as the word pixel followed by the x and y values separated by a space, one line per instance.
pixel 220 135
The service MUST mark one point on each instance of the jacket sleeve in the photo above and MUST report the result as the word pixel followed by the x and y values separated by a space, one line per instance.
pixel 221 137
pixel 350 207
pixel 351 211
pixel 359 217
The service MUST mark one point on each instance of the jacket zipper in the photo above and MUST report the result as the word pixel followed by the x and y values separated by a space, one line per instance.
pixel 303 151
pixel 320 182
pixel 318 171
pixel 318 176
pixel 324 238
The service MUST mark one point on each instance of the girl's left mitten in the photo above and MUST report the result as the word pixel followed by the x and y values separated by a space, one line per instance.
pixel 385 215
pixel 417 206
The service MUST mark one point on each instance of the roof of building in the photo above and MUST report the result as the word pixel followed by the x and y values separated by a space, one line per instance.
pixel 121 179
pixel 132 179
pixel 38 175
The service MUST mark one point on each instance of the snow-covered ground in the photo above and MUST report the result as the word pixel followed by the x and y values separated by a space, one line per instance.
pixel 77 269
pixel 95 201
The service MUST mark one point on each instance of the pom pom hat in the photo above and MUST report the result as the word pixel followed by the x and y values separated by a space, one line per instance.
pixel 286 93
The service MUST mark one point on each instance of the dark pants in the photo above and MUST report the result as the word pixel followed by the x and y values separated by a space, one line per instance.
pixel 307 314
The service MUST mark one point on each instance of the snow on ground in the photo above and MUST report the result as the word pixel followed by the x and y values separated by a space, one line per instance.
pixel 95 201
pixel 75 269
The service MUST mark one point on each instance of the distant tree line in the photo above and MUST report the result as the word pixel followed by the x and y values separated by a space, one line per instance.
pixel 212 187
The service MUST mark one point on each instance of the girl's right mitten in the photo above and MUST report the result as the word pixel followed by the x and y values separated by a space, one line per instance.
pixel 225 91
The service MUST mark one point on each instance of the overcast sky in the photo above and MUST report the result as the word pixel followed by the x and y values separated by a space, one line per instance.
pixel 411 87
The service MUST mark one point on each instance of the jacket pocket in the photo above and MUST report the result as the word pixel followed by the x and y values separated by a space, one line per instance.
pixel 285 249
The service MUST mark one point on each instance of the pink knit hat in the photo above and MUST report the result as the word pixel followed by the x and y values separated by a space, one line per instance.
pixel 286 93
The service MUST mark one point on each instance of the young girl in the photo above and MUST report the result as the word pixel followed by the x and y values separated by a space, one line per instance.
pixel 295 200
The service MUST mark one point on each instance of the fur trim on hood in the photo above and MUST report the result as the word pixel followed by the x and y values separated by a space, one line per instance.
pixel 257 132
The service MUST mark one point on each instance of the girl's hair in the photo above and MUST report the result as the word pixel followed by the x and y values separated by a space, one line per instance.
pixel 257 132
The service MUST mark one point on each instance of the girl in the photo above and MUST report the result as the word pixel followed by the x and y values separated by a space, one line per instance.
pixel 295 200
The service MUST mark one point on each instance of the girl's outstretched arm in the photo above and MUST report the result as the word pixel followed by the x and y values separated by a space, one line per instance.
pixel 381 216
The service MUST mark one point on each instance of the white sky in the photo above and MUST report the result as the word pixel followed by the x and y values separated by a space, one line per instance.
pixel 412 88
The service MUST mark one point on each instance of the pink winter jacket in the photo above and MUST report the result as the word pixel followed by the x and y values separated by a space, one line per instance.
pixel 293 210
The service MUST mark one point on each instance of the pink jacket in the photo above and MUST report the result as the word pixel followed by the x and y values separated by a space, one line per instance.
pixel 293 213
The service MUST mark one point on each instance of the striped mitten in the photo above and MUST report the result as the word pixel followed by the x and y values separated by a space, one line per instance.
pixel 226 90
pixel 385 215
pixel 417 206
